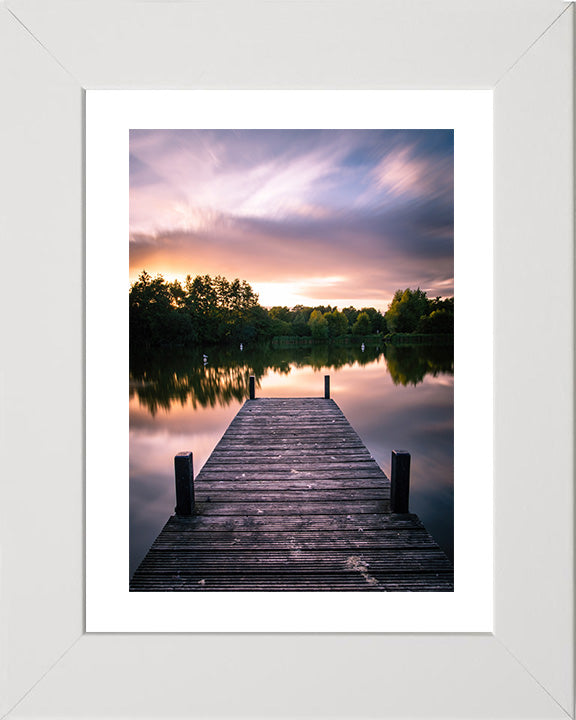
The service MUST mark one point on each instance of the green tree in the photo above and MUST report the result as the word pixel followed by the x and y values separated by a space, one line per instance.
pixel 377 321
pixel 362 326
pixel 439 322
pixel 406 309
pixel 318 325
pixel 257 324
pixel 281 328
pixel 280 313
pixel 337 323
pixel 300 317
pixel 351 314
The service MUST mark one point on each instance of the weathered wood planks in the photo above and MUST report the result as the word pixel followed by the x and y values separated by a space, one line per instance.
pixel 291 499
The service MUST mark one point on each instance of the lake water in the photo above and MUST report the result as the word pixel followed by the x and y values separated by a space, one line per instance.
pixel 399 398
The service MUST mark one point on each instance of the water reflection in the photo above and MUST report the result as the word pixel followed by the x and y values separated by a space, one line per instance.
pixel 409 365
pixel 394 397
pixel 163 380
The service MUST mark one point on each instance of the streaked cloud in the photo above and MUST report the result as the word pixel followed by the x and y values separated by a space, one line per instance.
pixel 373 209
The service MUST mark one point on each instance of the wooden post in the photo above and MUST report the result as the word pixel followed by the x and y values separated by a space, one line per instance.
pixel 400 481
pixel 184 472
pixel 327 387
pixel 252 387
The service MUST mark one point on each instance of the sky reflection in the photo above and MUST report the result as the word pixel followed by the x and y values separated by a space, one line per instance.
pixel 415 417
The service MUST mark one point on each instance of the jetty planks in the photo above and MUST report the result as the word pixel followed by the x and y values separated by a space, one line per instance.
pixel 291 500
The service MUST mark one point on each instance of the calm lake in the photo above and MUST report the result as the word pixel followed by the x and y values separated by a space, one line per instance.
pixel 399 398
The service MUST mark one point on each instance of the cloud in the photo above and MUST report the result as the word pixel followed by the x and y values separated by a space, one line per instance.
pixel 244 174
pixel 374 208
pixel 374 254
pixel 405 172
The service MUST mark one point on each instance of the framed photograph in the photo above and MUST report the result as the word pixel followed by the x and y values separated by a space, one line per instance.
pixel 382 203
pixel 76 80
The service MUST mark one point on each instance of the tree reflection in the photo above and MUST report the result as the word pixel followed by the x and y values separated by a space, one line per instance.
pixel 409 364
pixel 164 379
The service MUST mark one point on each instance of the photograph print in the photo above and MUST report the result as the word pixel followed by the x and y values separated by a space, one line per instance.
pixel 291 304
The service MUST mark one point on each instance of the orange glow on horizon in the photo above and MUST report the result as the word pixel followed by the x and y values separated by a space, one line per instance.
pixel 305 217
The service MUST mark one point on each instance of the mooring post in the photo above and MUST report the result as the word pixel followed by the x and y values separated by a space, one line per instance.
pixel 184 472
pixel 400 481
pixel 327 387
pixel 252 387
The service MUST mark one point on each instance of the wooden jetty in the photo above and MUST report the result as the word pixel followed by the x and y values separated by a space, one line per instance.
pixel 291 500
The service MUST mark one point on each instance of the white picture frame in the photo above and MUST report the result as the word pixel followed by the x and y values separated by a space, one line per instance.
pixel 53 51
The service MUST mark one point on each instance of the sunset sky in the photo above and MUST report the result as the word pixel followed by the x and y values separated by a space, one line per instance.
pixel 340 217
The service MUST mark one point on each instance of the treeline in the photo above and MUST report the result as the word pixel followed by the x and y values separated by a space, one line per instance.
pixel 214 311
pixel 412 312
pixel 200 310
pixel 324 322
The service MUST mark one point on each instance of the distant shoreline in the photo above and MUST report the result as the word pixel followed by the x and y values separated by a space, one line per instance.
pixel 390 339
